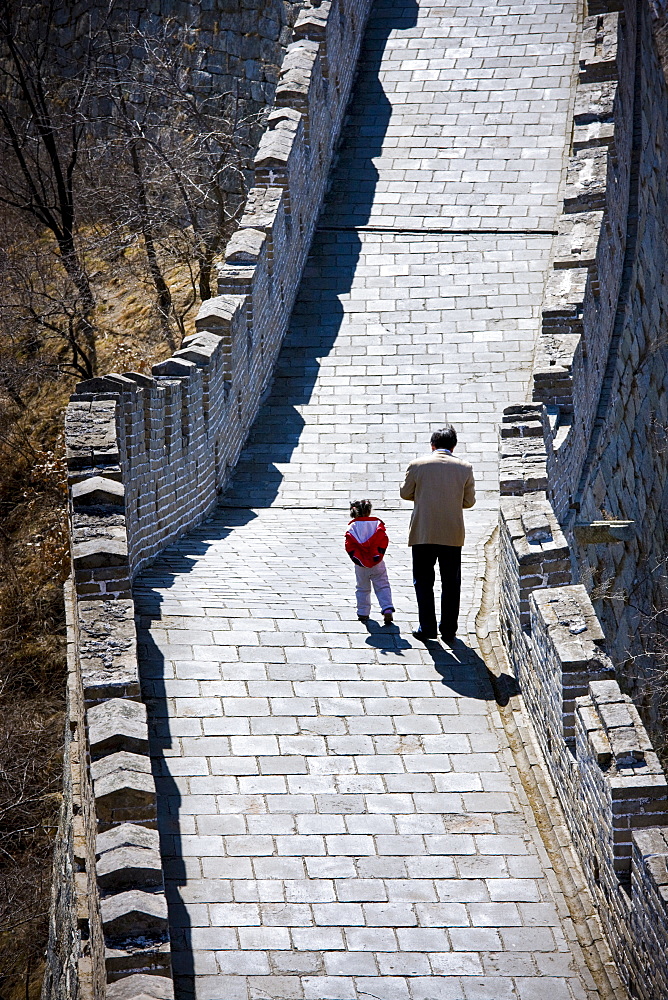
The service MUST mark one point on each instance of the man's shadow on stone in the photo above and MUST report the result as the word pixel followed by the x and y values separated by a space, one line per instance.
pixel 329 273
pixel 460 667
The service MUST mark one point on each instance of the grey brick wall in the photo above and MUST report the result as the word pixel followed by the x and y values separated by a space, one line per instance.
pixel 584 449
pixel 581 296
pixel 627 471
pixel 233 47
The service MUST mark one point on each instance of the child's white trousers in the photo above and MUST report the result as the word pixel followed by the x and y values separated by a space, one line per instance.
pixel 376 575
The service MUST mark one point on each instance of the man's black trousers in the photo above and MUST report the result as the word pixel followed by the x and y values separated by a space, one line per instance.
pixel 449 558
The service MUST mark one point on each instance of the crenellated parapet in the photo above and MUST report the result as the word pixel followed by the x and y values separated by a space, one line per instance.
pixel 583 288
pixel 148 457
pixel 609 780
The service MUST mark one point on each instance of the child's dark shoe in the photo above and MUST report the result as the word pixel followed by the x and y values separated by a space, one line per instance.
pixel 363 618
pixel 387 615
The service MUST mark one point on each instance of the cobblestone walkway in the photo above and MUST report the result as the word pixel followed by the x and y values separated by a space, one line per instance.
pixel 340 813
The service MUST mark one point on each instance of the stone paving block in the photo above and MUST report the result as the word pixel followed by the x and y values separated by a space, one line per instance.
pixel 527 938
pixel 480 939
pixel 488 988
pixel 530 988
pixel 431 988
pixel 210 987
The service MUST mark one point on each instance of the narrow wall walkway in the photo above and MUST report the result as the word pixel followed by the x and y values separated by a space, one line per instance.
pixel 340 814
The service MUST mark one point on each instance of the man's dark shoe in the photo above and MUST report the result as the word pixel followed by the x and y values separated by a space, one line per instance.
pixel 422 636
pixel 449 639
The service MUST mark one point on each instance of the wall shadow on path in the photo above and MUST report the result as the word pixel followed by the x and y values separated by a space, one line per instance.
pixel 179 560
pixel 319 311
pixel 317 319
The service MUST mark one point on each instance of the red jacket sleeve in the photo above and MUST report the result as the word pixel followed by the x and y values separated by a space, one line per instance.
pixel 352 546
pixel 382 541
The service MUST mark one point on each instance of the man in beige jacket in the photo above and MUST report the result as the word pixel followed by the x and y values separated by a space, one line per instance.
pixel 441 487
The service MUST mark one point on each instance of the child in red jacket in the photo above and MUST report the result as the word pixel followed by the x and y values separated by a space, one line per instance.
pixel 366 544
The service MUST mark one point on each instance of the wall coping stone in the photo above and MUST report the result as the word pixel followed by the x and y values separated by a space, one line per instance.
pixel 127 835
pixel 141 987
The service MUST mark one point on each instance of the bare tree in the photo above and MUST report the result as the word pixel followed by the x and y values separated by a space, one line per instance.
pixel 40 312
pixel 179 173
pixel 42 129
pixel 115 172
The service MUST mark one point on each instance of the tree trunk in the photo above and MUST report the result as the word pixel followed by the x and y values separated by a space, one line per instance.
pixel 164 296
pixel 85 324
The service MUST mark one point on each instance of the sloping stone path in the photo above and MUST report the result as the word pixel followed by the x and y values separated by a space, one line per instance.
pixel 340 812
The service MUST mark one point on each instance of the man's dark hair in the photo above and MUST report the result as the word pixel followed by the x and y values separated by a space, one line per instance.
pixel 446 437
pixel 360 508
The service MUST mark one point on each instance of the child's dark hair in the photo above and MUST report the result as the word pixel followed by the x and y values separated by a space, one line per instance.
pixel 360 508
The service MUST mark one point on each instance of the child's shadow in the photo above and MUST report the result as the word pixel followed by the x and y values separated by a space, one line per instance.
pixel 386 638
